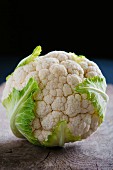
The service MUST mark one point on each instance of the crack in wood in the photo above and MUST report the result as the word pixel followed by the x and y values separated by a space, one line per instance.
pixel 44 158
pixel 70 167
pixel 97 166
pixel 9 151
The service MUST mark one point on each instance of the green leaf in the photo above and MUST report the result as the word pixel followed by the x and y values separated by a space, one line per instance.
pixel 95 88
pixel 36 52
pixel 60 135
pixel 77 58
pixel 20 108
pixel 8 77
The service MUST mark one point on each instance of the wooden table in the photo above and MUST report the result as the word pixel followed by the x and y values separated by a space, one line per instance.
pixel 94 153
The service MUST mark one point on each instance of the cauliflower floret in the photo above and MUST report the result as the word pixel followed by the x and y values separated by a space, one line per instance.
pixel 73 67
pixel 62 79
pixel 52 119
pixel 85 103
pixel 67 90
pixel 43 74
pixel 21 75
pixel 58 70
pixel 49 99
pixel 57 74
pixel 80 124
pixel 53 92
pixel 90 68
pixel 41 134
pixel 42 109
pixel 31 67
pixel 73 80
pixel 38 96
pixel 58 104
pixel 94 122
pixel 36 124
pixel 60 55
pixel 8 88
pixel 72 106
pixel 45 63
pixel 51 85
pixel 29 75
pixel 59 92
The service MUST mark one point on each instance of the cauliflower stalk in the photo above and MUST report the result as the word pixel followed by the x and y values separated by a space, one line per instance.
pixel 56 98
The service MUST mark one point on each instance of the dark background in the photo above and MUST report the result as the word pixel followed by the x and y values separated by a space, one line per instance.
pixel 84 30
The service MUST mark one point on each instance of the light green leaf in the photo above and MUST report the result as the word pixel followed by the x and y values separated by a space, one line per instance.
pixel 77 58
pixel 36 52
pixel 20 108
pixel 95 88
pixel 60 135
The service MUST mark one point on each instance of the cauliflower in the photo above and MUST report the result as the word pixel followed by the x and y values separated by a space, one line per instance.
pixel 56 98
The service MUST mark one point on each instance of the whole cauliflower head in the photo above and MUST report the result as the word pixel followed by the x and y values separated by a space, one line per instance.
pixel 55 98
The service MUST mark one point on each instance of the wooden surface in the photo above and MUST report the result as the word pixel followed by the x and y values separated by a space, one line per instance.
pixel 94 153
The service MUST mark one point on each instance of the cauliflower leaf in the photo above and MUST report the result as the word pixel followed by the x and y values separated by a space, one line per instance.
pixel 77 58
pixel 60 135
pixel 20 109
pixel 36 52
pixel 95 89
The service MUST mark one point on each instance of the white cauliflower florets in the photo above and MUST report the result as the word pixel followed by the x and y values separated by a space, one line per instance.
pixel 57 74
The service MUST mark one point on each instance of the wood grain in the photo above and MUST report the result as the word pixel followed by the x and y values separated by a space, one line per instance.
pixel 94 153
